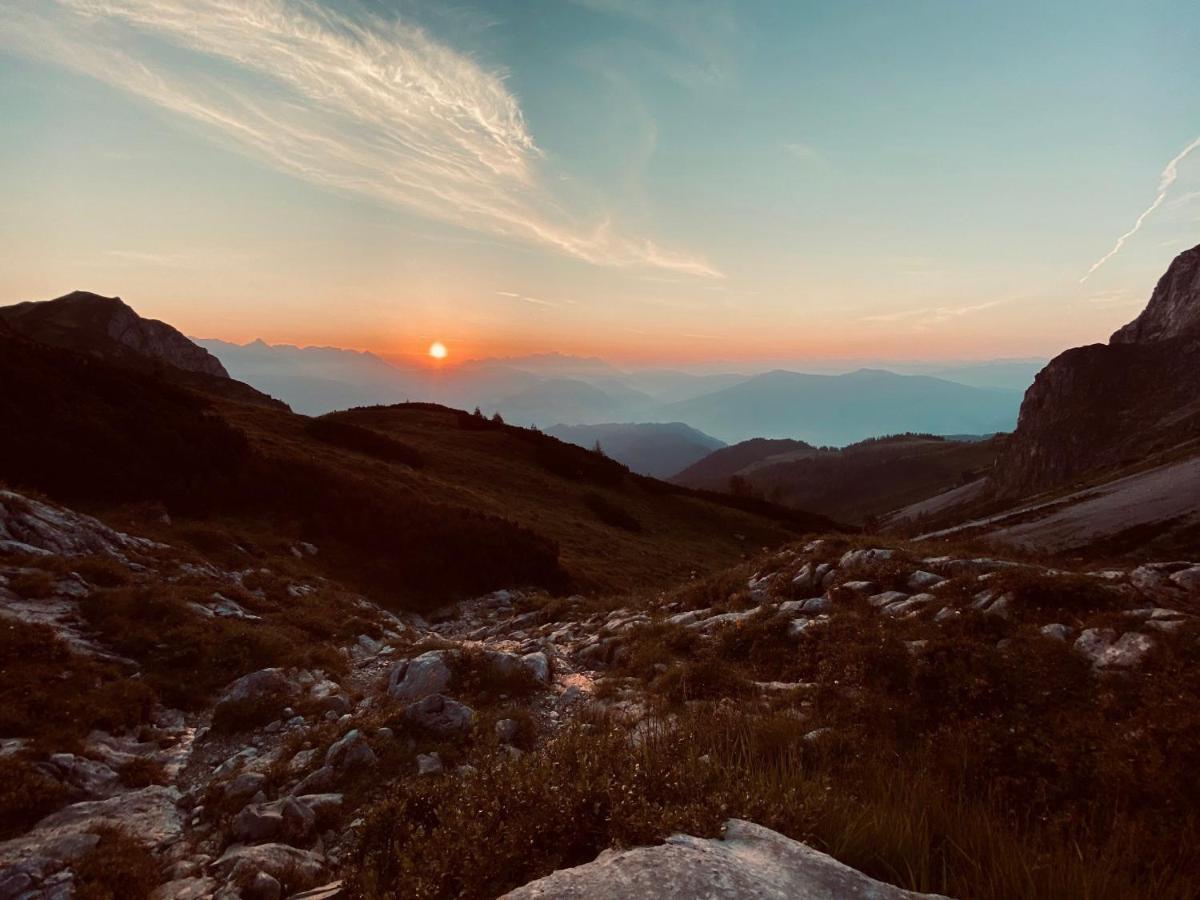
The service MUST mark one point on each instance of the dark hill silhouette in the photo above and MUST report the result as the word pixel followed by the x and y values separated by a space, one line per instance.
pixel 852 484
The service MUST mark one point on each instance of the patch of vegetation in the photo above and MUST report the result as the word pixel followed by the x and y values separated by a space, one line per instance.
pixel 591 787
pixel 26 795
pixel 117 868
pixel 142 772
pixel 34 584
pixel 55 696
pixel 363 440
pixel 610 513
pixel 481 680
pixel 185 657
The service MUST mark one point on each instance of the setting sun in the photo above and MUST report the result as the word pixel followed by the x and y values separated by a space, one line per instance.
pixel 437 350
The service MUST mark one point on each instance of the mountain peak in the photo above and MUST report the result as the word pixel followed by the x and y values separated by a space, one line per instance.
pixel 1174 307
pixel 108 327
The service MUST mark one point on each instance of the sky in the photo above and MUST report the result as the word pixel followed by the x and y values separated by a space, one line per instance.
pixel 678 181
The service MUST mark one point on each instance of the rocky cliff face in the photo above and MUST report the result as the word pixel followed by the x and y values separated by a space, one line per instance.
pixel 1174 308
pixel 1106 406
pixel 106 326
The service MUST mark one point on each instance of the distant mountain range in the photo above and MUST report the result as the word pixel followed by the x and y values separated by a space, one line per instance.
pixel 552 389
pixel 841 409
pixel 657 449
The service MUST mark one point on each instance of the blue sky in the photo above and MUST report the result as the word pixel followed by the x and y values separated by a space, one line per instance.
pixel 673 181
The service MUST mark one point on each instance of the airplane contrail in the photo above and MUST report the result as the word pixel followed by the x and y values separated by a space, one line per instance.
pixel 1169 174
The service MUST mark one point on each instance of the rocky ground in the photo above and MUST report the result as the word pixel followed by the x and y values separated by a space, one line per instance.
pixel 263 791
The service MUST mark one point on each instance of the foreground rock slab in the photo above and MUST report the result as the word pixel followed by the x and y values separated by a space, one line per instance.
pixel 749 862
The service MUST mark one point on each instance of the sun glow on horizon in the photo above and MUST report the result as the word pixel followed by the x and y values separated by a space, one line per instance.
pixel 437 350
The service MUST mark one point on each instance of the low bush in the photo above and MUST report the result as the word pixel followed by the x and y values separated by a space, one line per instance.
pixel 142 772
pixel 117 868
pixel 32 585
pixel 26 795
pixel 482 680
pixel 185 657
pixel 56 697
pixel 610 513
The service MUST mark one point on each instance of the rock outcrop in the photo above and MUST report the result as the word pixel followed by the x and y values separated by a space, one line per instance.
pixel 108 327
pixel 1174 307
pixel 748 862
pixel 1102 407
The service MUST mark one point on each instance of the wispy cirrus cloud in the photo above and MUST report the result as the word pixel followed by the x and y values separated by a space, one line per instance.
pixel 535 301
pixel 931 315
pixel 349 101
pixel 1168 177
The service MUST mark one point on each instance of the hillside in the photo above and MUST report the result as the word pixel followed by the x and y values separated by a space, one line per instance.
pixel 841 409
pixel 853 484
pixel 657 449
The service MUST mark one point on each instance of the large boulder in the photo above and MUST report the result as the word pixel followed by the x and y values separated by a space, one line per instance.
pixel 749 863
pixel 150 816
pixel 300 868
pixel 266 686
pixel 440 715
pixel 413 679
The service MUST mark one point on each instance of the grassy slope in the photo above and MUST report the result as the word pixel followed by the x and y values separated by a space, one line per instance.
pixel 862 480
pixel 506 472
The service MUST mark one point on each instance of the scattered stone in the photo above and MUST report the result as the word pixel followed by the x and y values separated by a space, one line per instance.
pixel 193 888
pixel 506 730
pixel 245 785
pixel 300 868
pixel 263 887
pixel 429 764
pixel 886 598
pixel 440 715
pixel 1056 631
pixel 861 559
pixel 350 752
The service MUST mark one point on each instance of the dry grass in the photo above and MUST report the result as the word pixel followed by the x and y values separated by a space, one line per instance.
pixel 55 696
pixel 592 787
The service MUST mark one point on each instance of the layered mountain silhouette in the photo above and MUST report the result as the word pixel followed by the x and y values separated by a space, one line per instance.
pixel 842 409
pixel 659 449
pixel 551 389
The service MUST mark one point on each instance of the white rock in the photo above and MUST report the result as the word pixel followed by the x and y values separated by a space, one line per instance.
pixel 749 863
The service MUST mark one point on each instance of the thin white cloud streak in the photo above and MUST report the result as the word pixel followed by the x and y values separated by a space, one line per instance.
pixel 536 301
pixel 355 103
pixel 1169 175
pixel 932 315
